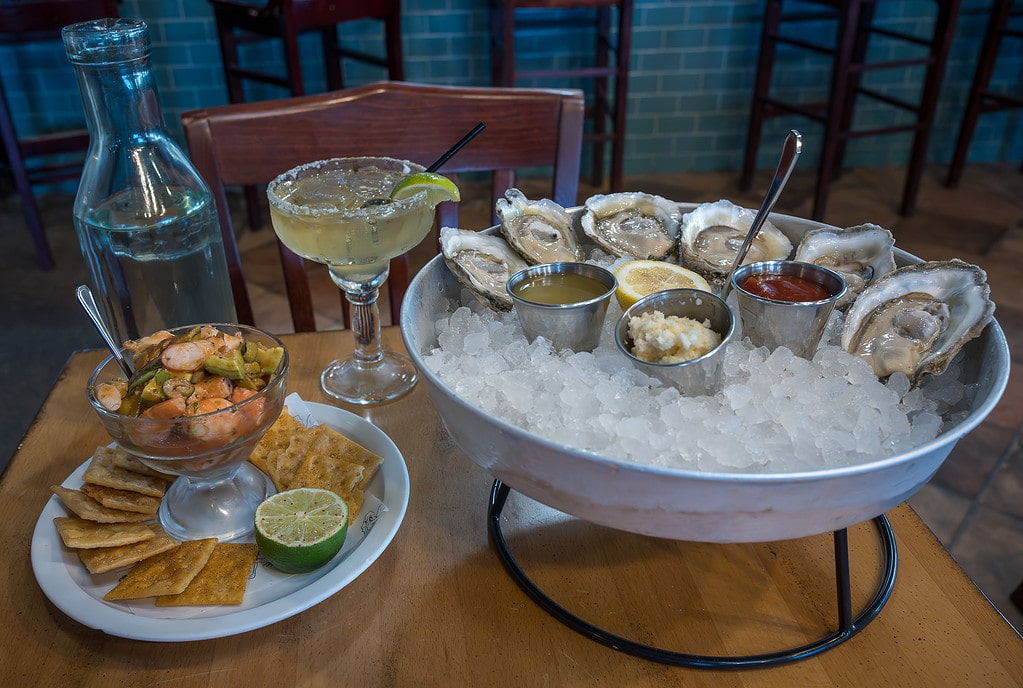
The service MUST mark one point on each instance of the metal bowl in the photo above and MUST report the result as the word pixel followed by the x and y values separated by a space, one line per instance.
pixel 687 504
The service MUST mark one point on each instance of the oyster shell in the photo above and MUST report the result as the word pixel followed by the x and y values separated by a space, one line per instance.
pixel 632 224
pixel 915 319
pixel 541 231
pixel 482 263
pixel 861 254
pixel 712 234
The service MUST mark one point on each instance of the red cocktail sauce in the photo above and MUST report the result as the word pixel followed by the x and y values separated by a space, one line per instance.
pixel 785 288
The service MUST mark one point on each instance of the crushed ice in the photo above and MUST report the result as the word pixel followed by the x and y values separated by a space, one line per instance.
pixel 777 412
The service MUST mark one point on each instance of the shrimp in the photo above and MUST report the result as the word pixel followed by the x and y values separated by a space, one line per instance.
pixel 226 343
pixel 224 426
pixel 147 349
pixel 166 410
pixel 251 412
pixel 213 387
pixel 134 345
pixel 159 422
pixel 110 395
pixel 187 356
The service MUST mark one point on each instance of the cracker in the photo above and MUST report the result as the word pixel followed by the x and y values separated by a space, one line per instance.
pixel 123 459
pixel 88 508
pixel 168 573
pixel 221 581
pixel 79 533
pixel 340 464
pixel 102 471
pixel 274 440
pixel 286 461
pixel 126 500
pixel 106 559
pixel 341 477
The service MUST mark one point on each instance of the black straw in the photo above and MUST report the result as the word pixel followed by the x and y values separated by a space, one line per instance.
pixel 455 148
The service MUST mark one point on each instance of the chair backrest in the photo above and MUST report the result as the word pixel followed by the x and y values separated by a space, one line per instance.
pixel 248 144
pixel 27 21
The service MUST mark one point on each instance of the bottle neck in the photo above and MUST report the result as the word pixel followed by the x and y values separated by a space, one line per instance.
pixel 121 104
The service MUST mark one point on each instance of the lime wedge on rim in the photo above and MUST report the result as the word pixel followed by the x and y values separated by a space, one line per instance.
pixel 302 529
pixel 438 188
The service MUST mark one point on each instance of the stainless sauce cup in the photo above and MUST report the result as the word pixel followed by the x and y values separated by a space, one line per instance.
pixel 797 325
pixel 574 326
pixel 701 375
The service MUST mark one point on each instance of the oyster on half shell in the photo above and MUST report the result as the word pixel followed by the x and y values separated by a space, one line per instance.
pixel 712 234
pixel 632 224
pixel 915 319
pixel 482 263
pixel 541 231
pixel 861 254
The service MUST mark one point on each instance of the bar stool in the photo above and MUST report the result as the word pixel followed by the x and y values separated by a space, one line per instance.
pixel 982 99
pixel 41 158
pixel 606 114
pixel 854 26
pixel 240 23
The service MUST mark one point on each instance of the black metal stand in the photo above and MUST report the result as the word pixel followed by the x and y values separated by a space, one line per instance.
pixel 848 625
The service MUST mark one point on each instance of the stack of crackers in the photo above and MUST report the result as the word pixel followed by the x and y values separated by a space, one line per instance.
pixel 115 527
pixel 296 456
pixel 116 509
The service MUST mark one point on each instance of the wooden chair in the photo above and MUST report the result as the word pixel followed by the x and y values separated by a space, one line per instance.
pixel 240 23
pixel 983 98
pixel 32 159
pixel 848 48
pixel 610 65
pixel 251 143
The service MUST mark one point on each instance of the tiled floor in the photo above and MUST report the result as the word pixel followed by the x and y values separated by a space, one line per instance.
pixel 975 502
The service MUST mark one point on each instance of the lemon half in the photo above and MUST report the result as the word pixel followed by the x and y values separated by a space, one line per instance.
pixel 301 529
pixel 639 278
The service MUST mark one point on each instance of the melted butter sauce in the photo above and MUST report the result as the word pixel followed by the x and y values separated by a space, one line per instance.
pixel 559 288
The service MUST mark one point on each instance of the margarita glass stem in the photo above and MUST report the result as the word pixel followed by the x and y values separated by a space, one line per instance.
pixel 365 327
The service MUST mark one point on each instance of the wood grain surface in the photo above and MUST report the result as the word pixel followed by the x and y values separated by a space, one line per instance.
pixel 439 609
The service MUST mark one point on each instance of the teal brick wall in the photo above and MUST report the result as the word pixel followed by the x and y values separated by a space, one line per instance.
pixel 690 84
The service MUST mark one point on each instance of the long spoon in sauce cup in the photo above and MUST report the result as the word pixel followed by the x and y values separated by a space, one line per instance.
pixel 791 149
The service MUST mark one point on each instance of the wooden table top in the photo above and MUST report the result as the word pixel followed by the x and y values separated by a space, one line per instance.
pixel 439 609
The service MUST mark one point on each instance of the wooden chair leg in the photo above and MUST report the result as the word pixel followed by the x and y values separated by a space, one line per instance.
pixel 332 59
pixel 29 208
pixel 392 41
pixel 848 26
pixel 941 45
pixel 761 87
pixel 600 109
pixel 855 77
pixel 623 53
pixel 982 78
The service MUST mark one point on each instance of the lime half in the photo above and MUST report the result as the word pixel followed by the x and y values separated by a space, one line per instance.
pixel 438 188
pixel 302 529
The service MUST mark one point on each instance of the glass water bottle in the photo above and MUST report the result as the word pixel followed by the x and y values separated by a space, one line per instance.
pixel 146 220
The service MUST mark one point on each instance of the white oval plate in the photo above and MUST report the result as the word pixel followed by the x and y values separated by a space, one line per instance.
pixel 270 595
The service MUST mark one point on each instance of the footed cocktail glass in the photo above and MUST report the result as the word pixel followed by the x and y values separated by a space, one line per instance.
pixel 216 490
pixel 338 212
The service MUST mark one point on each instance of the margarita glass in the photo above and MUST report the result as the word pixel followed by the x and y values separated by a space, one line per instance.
pixel 339 212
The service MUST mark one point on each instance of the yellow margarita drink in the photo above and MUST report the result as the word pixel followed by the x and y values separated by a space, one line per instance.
pixel 338 212
pixel 354 215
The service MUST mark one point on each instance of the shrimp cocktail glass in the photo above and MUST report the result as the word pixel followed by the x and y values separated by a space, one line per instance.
pixel 354 215
pixel 199 400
